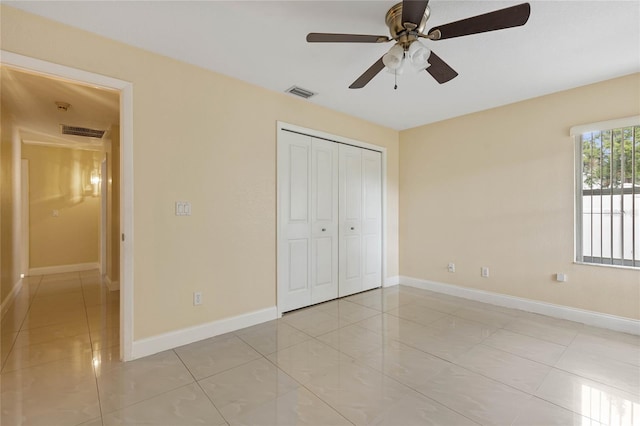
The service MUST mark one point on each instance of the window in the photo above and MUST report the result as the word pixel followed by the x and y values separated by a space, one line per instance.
pixel 608 195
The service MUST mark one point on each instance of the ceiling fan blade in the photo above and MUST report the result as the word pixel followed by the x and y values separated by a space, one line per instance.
pixel 368 75
pixel 513 16
pixel 345 38
pixel 413 11
pixel 439 69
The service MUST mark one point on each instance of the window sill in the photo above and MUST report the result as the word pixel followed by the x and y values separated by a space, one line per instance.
pixel 603 265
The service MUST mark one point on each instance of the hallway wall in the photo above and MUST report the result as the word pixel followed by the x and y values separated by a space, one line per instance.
pixel 7 273
pixel 64 207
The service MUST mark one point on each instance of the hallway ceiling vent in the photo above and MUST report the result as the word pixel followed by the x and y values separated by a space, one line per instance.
pixel 299 91
pixel 81 131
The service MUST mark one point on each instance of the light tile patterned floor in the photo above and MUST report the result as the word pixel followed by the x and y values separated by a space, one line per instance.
pixel 398 356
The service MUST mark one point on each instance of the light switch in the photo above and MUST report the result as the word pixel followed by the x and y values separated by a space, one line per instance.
pixel 183 208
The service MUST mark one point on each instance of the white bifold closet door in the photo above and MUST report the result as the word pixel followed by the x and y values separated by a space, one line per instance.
pixel 330 211
pixel 308 244
pixel 360 205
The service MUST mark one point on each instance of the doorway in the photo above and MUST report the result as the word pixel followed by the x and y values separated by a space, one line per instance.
pixel 125 163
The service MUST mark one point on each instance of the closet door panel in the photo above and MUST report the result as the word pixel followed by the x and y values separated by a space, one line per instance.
pixel 371 255
pixel 350 241
pixel 352 184
pixel 324 196
pixel 298 184
pixel 372 219
pixel 297 276
pixel 294 239
pixel 352 254
pixel 323 265
pixel 324 217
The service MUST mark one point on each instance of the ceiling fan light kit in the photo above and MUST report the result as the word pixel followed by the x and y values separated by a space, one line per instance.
pixel 419 54
pixel 406 22
pixel 393 58
pixel 397 60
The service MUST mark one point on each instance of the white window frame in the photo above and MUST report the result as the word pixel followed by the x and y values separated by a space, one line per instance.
pixel 576 132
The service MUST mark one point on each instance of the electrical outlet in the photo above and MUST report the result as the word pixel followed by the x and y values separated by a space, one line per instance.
pixel 484 272
pixel 197 298
pixel 452 267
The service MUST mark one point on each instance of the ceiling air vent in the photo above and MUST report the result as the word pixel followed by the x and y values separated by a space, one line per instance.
pixel 82 131
pixel 299 91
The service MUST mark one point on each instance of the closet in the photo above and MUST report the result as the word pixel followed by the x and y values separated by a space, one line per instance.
pixel 329 220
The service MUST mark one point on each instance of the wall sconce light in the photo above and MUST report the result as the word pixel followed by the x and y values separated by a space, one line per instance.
pixel 95 177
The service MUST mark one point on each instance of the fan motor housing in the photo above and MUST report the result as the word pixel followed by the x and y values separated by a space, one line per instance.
pixel 393 20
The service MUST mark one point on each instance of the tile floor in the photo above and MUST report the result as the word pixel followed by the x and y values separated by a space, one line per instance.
pixel 397 356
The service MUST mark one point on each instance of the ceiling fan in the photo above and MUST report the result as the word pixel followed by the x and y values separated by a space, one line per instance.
pixel 406 22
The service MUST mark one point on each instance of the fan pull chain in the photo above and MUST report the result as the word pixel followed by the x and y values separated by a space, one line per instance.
pixel 395 79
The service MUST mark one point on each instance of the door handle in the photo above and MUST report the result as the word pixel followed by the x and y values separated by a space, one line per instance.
pixel 352 228
pixel 324 229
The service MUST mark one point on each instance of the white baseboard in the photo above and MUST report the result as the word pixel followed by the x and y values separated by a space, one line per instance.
pixel 4 307
pixel 173 339
pixel 111 285
pixel 391 281
pixel 60 269
pixel 597 319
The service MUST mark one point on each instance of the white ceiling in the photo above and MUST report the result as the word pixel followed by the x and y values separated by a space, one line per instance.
pixel 565 44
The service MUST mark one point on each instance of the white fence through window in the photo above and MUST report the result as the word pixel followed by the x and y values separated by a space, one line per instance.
pixel 608 197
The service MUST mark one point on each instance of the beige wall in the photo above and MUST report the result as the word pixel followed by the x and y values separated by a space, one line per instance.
pixel 496 189
pixel 59 180
pixel 211 140
pixel 7 274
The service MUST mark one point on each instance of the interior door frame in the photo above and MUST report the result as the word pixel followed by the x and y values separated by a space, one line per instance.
pixel 103 217
pixel 125 88
pixel 287 127
pixel 24 225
